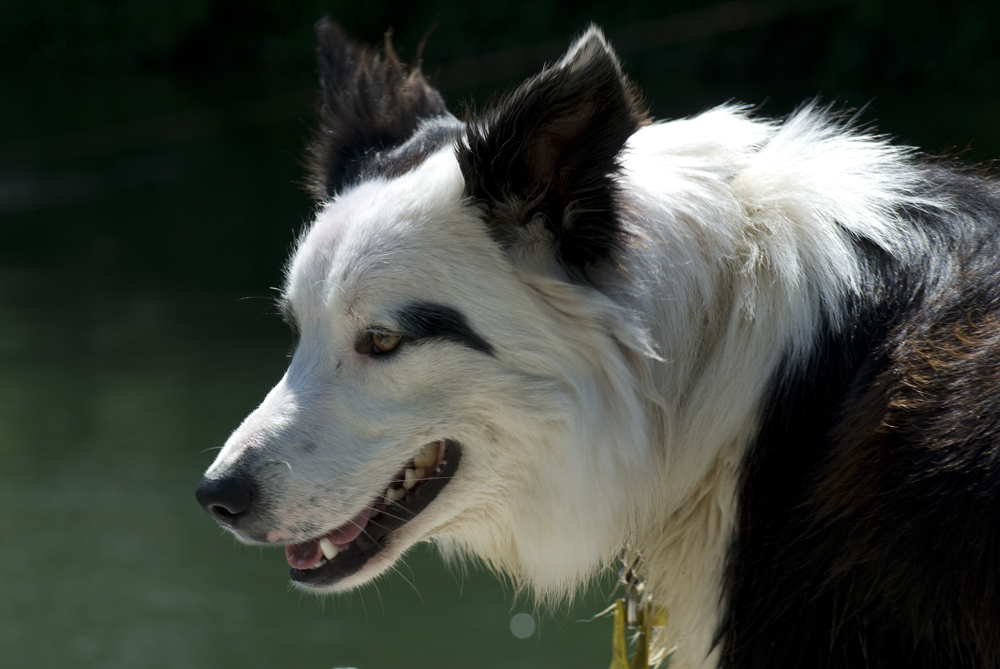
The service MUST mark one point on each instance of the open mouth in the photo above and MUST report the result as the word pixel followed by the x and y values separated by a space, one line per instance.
pixel 345 550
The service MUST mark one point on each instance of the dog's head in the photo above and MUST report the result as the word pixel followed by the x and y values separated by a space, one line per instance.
pixel 464 366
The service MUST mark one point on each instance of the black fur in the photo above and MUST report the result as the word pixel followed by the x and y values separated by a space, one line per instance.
pixel 550 150
pixel 432 134
pixel 370 105
pixel 869 528
pixel 426 320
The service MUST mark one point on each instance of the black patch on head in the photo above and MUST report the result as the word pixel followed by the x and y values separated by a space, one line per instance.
pixel 552 148
pixel 427 320
pixel 431 136
pixel 370 104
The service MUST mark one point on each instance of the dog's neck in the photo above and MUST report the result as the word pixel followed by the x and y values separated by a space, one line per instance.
pixel 682 562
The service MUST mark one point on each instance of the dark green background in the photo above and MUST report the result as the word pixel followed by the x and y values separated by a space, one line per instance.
pixel 107 106
pixel 149 156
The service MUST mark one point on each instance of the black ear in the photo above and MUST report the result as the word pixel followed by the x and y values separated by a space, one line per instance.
pixel 549 152
pixel 370 103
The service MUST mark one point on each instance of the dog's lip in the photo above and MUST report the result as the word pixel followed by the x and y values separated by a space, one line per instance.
pixel 306 559
pixel 308 553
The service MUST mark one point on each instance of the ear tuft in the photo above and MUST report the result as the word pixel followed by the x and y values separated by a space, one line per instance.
pixel 551 149
pixel 369 103
pixel 591 46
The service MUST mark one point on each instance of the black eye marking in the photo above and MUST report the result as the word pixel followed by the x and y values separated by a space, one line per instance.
pixel 428 320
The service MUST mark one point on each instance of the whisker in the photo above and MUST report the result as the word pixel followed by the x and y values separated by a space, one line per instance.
pixel 364 607
pixel 380 526
pixel 372 522
pixel 412 513
pixel 408 581
pixel 380 602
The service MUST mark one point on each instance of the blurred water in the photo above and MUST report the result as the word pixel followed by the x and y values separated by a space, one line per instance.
pixel 110 408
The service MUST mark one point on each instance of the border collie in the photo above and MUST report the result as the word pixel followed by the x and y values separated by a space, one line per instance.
pixel 762 355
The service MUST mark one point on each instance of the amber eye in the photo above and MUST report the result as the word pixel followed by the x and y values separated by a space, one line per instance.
pixel 379 342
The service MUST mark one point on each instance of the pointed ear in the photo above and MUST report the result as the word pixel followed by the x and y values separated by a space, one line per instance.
pixel 369 103
pixel 550 152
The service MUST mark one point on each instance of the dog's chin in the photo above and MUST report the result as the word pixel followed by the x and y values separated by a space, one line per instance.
pixel 374 540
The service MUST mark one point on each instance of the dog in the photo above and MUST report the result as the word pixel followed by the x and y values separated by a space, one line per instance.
pixel 759 358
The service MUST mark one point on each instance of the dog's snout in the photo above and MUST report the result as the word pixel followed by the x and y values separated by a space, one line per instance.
pixel 226 498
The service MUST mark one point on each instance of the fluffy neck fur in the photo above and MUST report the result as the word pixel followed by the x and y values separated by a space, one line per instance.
pixel 730 276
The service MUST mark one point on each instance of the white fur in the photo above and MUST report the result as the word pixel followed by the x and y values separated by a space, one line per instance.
pixel 613 415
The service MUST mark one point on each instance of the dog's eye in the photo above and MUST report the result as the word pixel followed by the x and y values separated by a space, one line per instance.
pixel 378 342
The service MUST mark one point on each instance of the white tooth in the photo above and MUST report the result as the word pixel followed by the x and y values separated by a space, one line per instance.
pixel 427 457
pixel 393 495
pixel 329 549
pixel 412 476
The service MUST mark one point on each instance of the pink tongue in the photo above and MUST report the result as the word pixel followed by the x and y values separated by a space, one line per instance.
pixel 308 553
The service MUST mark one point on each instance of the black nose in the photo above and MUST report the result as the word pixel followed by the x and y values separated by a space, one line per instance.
pixel 226 498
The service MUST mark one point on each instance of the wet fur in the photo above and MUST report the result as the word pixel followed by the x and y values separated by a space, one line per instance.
pixel 761 354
